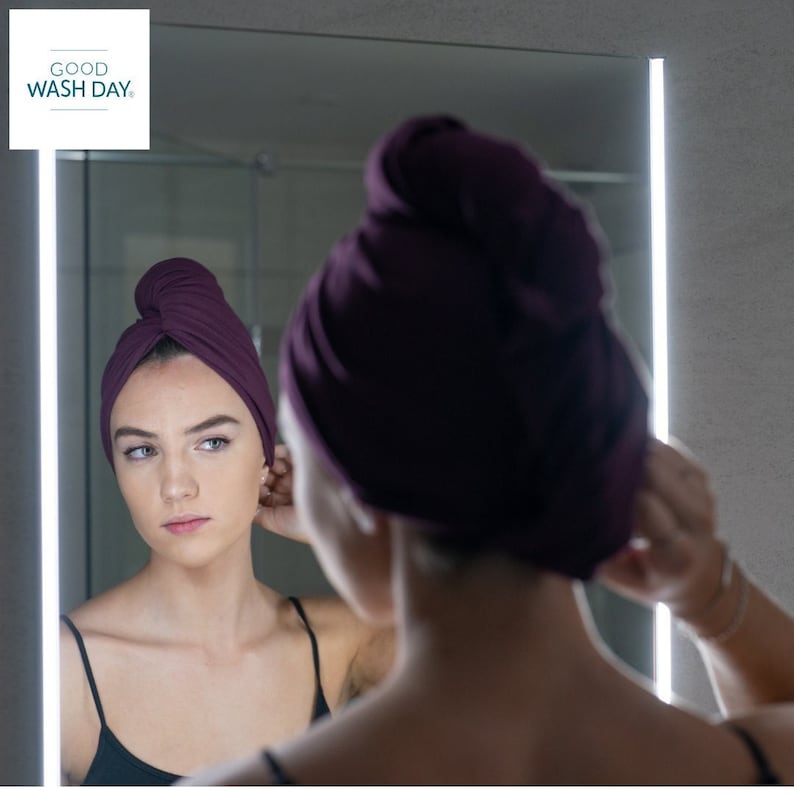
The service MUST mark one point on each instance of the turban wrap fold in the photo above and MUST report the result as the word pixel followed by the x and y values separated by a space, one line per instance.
pixel 452 360
pixel 181 299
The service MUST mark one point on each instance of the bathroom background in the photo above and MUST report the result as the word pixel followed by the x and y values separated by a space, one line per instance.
pixel 730 111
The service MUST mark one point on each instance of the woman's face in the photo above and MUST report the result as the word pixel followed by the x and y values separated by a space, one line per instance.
pixel 188 458
pixel 356 558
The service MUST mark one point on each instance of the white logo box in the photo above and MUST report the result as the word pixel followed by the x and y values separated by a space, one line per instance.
pixel 78 79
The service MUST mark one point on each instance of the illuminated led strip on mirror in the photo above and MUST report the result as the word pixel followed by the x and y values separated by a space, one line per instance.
pixel 662 652
pixel 48 457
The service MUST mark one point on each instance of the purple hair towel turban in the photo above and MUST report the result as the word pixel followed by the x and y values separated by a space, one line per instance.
pixel 181 299
pixel 452 360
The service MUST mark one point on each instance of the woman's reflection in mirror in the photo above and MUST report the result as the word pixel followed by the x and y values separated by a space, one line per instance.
pixel 192 659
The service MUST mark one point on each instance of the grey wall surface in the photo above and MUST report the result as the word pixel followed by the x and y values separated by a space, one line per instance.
pixel 19 493
pixel 730 112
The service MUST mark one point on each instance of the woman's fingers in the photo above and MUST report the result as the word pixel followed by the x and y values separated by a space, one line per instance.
pixel 625 572
pixel 282 463
pixel 673 550
pixel 275 496
pixel 277 488
pixel 683 485
pixel 654 521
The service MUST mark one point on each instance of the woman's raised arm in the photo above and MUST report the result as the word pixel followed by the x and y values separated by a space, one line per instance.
pixel 745 638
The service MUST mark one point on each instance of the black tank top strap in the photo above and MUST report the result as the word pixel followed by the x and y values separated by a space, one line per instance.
pixel 320 703
pixel 766 775
pixel 280 777
pixel 87 666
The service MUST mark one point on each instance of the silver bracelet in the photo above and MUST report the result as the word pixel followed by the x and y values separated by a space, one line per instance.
pixel 726 577
pixel 738 617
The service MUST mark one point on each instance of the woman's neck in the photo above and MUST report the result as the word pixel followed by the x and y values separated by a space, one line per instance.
pixel 220 605
pixel 501 665
pixel 495 619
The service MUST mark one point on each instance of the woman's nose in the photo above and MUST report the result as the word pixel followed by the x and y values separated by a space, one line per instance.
pixel 178 482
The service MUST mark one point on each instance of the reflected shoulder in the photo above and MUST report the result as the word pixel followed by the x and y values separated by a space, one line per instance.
pixel 104 613
pixel 329 614
pixel 79 719
pixel 365 651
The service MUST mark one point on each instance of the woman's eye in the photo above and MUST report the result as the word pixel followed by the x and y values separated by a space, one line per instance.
pixel 138 453
pixel 213 444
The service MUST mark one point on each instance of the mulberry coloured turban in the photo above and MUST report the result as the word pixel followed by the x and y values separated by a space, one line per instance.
pixel 181 299
pixel 452 361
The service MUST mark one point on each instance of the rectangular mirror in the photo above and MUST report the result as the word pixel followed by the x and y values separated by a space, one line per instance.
pixel 258 142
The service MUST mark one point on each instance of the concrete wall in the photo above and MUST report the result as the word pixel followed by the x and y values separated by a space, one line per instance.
pixel 731 171
pixel 19 492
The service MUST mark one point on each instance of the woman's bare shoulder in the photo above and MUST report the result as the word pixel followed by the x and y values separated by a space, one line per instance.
pixel 109 614
pixel 771 727
pixel 329 615
pixel 368 649
pixel 79 717
pixel 329 611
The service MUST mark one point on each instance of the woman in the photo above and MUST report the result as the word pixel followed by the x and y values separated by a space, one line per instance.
pixel 192 659
pixel 469 436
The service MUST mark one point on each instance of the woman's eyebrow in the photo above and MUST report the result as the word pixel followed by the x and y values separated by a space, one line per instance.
pixel 126 430
pixel 213 421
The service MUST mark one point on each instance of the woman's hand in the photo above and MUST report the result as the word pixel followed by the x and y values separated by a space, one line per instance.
pixel 747 638
pixel 276 512
pixel 675 556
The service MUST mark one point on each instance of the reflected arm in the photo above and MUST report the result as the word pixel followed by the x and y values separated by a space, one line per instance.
pixel 373 661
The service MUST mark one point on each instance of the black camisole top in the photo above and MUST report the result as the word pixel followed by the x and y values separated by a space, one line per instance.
pixel 114 765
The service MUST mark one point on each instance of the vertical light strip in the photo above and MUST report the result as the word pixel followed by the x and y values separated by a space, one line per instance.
pixel 48 454
pixel 663 674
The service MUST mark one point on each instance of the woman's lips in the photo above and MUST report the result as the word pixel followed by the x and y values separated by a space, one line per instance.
pixel 183 526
